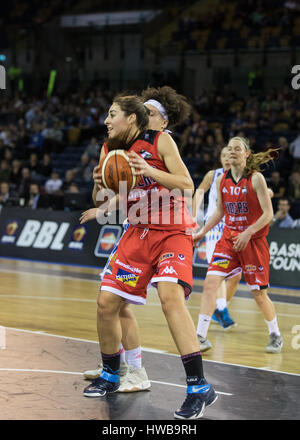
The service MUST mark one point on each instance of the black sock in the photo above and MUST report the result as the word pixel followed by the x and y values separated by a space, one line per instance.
pixel 193 367
pixel 111 363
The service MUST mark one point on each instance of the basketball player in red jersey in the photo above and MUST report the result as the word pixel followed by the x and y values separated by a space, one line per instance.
pixel 167 108
pixel 160 252
pixel 244 199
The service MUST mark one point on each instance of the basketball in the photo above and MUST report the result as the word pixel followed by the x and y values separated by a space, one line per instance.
pixel 115 168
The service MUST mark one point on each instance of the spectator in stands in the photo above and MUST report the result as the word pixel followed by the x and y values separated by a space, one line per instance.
pixel 205 165
pixel 237 123
pixel 54 184
pixel 294 186
pixel 33 164
pixel 36 140
pixel 45 168
pixel 54 139
pixel 277 185
pixel 93 149
pixel 68 179
pixel 85 170
pixel 4 192
pixel 282 219
pixel 36 199
pixel 16 173
pixel 73 188
pixel 295 151
pixel 26 180
pixel 5 171
pixel 284 162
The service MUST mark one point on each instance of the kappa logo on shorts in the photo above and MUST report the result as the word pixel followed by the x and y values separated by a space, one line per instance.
pixel 220 262
pixel 169 270
pixel 128 278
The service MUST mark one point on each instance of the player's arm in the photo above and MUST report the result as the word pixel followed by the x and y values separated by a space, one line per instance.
pixel 97 180
pixel 260 187
pixel 200 191
pixel 215 218
pixel 178 176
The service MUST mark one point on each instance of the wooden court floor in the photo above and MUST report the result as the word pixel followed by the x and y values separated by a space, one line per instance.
pixel 39 300
pixel 62 300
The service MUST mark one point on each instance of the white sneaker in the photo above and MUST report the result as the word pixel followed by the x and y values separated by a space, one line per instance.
pixel 275 344
pixel 136 379
pixel 205 344
pixel 94 374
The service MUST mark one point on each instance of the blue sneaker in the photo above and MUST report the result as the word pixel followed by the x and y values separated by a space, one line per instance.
pixel 214 318
pixel 100 386
pixel 198 398
pixel 223 318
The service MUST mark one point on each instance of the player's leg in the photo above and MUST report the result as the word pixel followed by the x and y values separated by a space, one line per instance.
pixel 221 313
pixel 225 293
pixel 110 334
pixel 211 286
pixel 199 393
pixel 232 286
pixel 267 308
pixel 256 259
pixel 134 376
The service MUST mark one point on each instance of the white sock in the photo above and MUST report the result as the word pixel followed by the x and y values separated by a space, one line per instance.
pixel 273 326
pixel 221 303
pixel 134 357
pixel 203 324
pixel 122 354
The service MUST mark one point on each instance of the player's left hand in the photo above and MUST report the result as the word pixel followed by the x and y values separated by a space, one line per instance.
pixel 142 168
pixel 240 241
pixel 88 215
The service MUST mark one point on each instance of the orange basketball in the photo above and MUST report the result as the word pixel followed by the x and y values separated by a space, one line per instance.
pixel 115 168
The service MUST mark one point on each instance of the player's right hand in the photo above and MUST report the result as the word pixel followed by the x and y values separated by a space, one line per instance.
pixel 197 237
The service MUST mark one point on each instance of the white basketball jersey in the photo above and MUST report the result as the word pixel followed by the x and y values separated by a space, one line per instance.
pixel 215 233
pixel 213 195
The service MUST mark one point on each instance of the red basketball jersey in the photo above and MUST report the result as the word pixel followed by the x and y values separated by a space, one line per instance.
pixel 241 206
pixel 149 204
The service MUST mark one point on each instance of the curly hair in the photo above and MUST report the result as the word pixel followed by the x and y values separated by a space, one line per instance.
pixel 255 160
pixel 177 107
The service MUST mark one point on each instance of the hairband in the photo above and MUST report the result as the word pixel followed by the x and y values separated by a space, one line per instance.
pixel 159 107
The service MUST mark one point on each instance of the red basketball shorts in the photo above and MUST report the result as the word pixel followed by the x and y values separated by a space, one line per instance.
pixel 253 261
pixel 145 255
